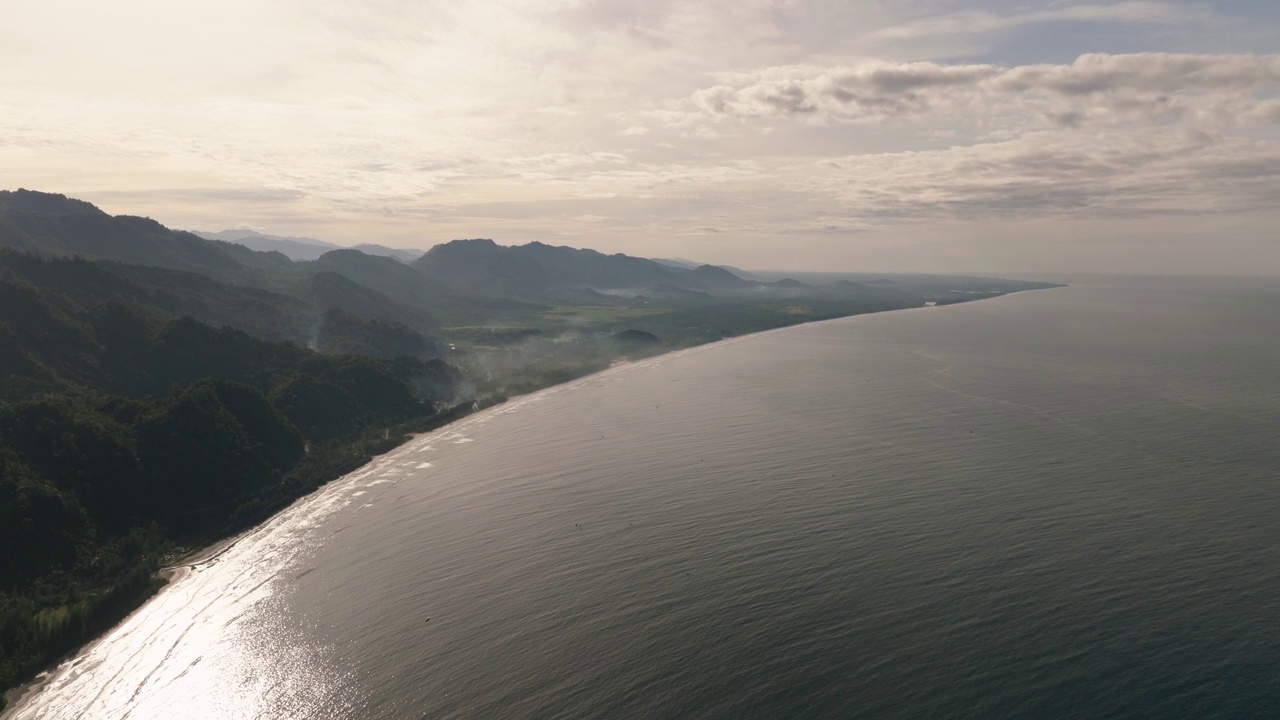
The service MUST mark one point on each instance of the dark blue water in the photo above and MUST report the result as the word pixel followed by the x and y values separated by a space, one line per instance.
pixel 1056 504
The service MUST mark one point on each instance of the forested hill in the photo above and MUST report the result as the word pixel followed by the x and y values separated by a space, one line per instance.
pixel 128 427
pixel 51 224
pixel 121 438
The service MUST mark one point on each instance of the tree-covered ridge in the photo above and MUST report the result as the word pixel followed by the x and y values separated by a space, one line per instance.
pixel 56 225
pixel 330 290
pixel 120 438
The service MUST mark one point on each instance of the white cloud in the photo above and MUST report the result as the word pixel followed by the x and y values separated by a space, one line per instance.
pixel 972 22
pixel 1055 175
pixel 1146 72
pixel 1154 85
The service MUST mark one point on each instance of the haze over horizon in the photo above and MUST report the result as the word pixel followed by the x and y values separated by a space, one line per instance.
pixel 932 136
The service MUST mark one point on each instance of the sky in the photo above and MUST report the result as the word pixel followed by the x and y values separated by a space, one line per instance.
pixel 839 135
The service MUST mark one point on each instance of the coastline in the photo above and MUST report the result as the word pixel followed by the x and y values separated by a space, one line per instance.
pixel 191 560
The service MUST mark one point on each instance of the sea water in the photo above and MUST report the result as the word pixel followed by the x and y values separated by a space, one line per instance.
pixel 1059 503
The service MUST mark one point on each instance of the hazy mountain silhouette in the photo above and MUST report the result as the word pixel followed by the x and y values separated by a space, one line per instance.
pixel 531 270
pixel 51 224
pixel 401 254
pixel 329 289
pixel 388 276
pixel 710 277
pixel 686 264
pixel 302 248
pixel 791 283
pixel 295 248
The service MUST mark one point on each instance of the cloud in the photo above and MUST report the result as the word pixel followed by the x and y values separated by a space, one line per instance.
pixel 1053 174
pixel 872 90
pixel 978 21
pixel 1153 85
pixel 1145 72
pixel 211 195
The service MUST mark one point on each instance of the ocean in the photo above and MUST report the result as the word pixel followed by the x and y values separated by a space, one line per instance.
pixel 1053 504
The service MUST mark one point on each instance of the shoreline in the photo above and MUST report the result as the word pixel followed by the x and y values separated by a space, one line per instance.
pixel 189 561
pixel 192 559
pixel 204 555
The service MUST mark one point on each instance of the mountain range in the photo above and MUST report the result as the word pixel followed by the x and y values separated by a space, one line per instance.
pixel 283 288
pixel 258 284
pixel 341 300
pixel 302 248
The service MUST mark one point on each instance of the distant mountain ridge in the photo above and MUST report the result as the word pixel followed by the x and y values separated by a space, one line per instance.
pixel 388 276
pixel 453 275
pixel 534 268
pixel 328 289
pixel 40 203
pixel 52 224
pixel 484 266
pixel 711 277
pixel 295 248
pixel 174 272
pixel 302 248
pixel 685 264
pixel 457 284
pixel 91 258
